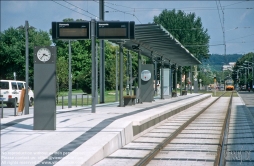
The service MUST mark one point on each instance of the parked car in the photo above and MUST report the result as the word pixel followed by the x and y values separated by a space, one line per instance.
pixel 10 89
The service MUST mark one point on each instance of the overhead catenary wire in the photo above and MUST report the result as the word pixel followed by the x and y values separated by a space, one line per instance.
pixel 160 9
pixel 204 8
pixel 121 11
pixel 241 37
pixel 219 17
pixel 236 3
pixel 80 8
pixel 71 9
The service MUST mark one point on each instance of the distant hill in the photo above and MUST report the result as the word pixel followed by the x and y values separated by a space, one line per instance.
pixel 216 61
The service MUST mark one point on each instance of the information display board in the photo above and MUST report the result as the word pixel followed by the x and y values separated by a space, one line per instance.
pixel 115 30
pixel 71 30
pixel 104 30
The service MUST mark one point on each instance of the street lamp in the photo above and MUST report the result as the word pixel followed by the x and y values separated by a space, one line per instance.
pixel 252 68
pixel 245 79
pixel 26 28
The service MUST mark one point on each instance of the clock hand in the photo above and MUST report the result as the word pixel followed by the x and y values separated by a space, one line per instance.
pixel 42 56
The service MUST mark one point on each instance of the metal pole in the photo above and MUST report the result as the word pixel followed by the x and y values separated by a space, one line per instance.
pixel 15 105
pixel 2 113
pixel 130 73
pixel 27 70
pixel 245 79
pixel 94 79
pixel 253 73
pixel 102 56
pixel 14 74
pixel 175 79
pixel 62 103
pixel 121 76
pixel 180 67
pixel 237 78
pixel 76 101
pixel 82 96
pixel 155 76
pixel 96 74
pixel 70 79
pixel 139 75
pixel 170 79
pixel 127 73
pixel 191 80
pixel 162 79
pixel 116 77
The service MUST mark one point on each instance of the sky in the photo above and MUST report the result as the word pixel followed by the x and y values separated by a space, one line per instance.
pixel 238 17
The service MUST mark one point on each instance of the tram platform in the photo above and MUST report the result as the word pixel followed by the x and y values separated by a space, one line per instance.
pixel 82 137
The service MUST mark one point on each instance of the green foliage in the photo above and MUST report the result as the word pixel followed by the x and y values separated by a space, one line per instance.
pixel 241 71
pixel 80 61
pixel 12 51
pixel 62 73
pixel 187 29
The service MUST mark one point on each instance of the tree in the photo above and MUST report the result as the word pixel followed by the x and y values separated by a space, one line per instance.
pixel 187 29
pixel 62 73
pixel 12 51
pixel 239 68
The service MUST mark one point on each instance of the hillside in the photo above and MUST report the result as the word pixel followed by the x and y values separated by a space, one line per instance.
pixel 216 61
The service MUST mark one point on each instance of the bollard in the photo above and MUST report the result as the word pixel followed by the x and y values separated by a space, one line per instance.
pixel 62 103
pixel 15 111
pixel 87 99
pixel 82 99
pixel 2 113
pixel 76 101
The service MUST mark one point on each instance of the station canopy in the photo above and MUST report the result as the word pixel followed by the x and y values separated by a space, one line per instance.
pixel 155 41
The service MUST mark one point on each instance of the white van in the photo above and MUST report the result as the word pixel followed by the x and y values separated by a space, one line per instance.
pixel 12 89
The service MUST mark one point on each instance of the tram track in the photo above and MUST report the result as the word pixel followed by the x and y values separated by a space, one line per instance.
pixel 219 155
pixel 196 136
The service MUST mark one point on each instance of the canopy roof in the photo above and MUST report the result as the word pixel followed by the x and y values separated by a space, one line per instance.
pixel 154 40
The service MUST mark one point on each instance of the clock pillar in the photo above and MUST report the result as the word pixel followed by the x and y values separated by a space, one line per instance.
pixel 147 86
pixel 44 88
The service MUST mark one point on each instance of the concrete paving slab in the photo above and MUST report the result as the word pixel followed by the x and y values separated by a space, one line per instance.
pixel 179 163
pixel 201 131
pixel 149 139
pixel 163 130
pixel 156 134
pixel 178 155
pixel 191 147
pixel 123 153
pixel 195 141
pixel 81 137
pixel 205 136
pixel 117 162
pixel 240 142
pixel 237 163
pixel 133 145
pixel 167 127
pixel 241 147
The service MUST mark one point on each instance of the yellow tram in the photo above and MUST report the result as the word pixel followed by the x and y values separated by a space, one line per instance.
pixel 229 84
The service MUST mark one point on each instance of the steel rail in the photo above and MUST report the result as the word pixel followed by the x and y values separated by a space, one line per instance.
pixel 220 158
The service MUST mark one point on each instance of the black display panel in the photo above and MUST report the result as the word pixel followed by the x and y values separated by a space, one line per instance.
pixel 71 30
pixel 115 30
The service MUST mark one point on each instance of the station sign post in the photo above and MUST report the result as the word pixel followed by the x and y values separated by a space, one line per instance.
pixel 92 30
pixel 115 30
pixel 71 30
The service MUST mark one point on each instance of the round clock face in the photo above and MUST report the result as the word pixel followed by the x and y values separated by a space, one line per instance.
pixel 145 75
pixel 43 54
